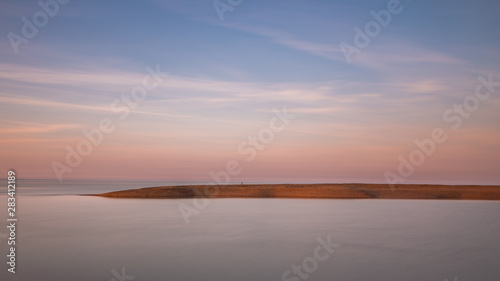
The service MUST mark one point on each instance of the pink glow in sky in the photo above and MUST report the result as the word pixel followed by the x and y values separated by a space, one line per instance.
pixel 353 120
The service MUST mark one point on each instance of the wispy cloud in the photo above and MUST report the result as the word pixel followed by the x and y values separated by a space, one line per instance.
pixel 29 101
pixel 31 128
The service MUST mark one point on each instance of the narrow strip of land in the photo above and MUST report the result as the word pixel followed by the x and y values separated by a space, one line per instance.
pixel 327 191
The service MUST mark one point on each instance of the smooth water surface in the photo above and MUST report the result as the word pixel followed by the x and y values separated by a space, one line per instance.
pixel 69 237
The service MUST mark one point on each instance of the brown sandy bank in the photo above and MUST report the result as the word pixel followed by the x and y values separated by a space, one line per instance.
pixel 332 191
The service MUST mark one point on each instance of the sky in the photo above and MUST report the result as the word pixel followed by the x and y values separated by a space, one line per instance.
pixel 251 91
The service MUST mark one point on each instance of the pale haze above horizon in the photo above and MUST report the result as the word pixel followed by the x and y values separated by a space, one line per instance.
pixel 329 91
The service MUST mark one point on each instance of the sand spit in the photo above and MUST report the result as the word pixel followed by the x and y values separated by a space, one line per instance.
pixel 328 191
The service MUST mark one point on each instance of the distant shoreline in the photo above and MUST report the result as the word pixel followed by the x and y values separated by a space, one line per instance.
pixel 325 191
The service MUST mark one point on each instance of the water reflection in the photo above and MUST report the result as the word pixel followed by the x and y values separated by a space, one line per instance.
pixel 85 238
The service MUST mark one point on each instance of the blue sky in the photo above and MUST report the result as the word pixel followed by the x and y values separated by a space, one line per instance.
pixel 225 78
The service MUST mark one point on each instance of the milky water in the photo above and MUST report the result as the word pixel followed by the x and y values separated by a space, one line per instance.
pixel 69 237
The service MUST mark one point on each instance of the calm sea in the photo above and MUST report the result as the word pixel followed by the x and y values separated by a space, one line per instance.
pixel 62 237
